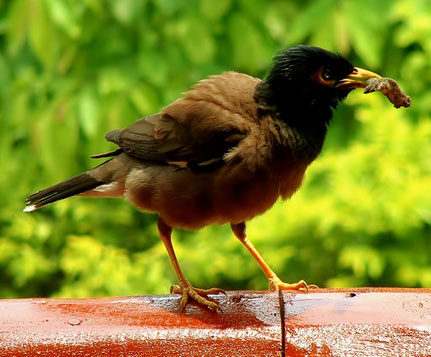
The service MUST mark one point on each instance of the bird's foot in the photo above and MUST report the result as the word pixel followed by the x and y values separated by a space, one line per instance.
pixel 276 284
pixel 199 295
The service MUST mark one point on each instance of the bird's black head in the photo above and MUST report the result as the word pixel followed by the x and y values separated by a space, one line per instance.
pixel 306 82
pixel 311 71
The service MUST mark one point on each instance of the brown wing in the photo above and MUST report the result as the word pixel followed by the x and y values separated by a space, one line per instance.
pixel 198 129
pixel 160 137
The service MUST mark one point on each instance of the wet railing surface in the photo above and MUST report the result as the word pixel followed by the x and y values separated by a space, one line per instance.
pixel 323 322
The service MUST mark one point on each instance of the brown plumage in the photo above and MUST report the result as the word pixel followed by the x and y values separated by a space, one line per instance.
pixel 223 153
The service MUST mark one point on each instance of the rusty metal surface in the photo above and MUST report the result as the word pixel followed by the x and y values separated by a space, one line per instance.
pixel 249 325
pixel 358 322
pixel 349 322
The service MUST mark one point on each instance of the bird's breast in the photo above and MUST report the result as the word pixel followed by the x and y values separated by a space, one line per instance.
pixel 192 200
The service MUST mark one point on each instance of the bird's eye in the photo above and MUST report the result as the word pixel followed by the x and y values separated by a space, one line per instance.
pixel 326 74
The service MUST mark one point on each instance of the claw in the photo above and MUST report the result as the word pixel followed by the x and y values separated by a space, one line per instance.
pixel 199 295
pixel 276 284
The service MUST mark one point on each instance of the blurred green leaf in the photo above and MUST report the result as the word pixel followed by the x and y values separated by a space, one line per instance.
pixel 18 25
pixel 42 34
pixel 214 10
pixel 126 11
pixel 63 13
pixel 89 111
pixel 248 51
pixel 309 21
pixel 144 98
pixel 197 41
pixel 362 29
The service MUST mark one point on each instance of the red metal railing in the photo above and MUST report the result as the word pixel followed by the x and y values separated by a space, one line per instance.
pixel 348 322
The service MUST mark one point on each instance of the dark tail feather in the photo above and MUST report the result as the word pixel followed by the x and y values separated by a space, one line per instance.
pixel 70 187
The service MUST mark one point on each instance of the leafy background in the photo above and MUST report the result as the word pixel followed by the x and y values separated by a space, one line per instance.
pixel 72 70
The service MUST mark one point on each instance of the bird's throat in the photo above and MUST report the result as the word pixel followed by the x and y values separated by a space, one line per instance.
pixel 304 116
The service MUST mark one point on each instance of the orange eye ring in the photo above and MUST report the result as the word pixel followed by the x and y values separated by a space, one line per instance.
pixel 323 77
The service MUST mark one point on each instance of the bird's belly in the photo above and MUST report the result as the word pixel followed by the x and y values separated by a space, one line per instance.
pixel 191 200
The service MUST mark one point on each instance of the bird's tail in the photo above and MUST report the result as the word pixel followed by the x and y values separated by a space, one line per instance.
pixel 102 179
pixel 70 187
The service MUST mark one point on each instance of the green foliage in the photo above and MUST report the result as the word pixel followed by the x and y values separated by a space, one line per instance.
pixel 71 71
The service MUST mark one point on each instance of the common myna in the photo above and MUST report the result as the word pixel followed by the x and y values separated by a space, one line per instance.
pixel 223 153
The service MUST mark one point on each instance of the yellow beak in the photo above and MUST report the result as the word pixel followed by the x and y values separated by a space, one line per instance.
pixel 351 81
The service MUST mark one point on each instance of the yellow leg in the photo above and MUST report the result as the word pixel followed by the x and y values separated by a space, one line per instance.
pixel 274 281
pixel 184 288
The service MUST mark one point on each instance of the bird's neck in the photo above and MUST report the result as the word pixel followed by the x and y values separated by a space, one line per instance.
pixel 305 118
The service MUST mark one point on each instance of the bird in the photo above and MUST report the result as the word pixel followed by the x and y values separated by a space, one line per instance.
pixel 223 153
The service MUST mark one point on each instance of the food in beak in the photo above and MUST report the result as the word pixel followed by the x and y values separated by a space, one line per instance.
pixel 390 88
